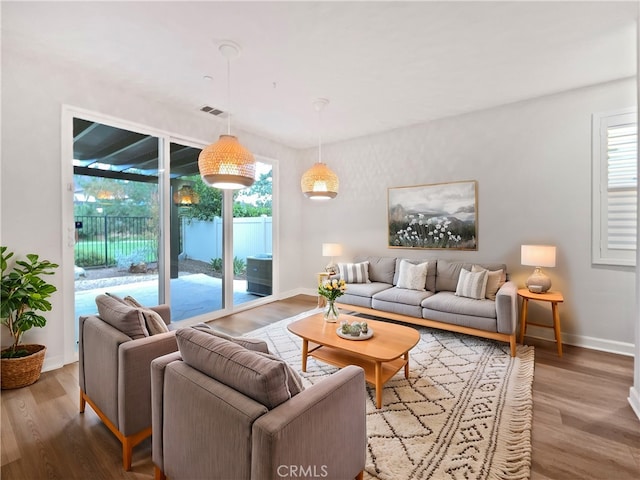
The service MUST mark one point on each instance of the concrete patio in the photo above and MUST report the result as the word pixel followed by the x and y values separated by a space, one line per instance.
pixel 191 294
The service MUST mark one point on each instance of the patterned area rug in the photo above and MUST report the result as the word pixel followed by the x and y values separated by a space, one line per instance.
pixel 464 413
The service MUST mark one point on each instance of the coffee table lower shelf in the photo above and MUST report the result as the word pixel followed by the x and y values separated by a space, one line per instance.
pixel 340 358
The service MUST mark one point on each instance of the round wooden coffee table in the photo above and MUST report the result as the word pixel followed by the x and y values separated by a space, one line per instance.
pixel 381 356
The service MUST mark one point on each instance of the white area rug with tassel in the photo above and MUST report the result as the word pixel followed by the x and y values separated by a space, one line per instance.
pixel 464 413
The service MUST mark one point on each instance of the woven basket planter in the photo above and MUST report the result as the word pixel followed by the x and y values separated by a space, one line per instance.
pixel 23 371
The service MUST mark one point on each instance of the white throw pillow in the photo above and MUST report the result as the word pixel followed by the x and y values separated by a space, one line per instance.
pixel 495 280
pixel 472 285
pixel 412 277
pixel 354 272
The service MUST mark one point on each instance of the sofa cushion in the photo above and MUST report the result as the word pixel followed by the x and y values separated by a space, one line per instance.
pixel 402 295
pixel 129 320
pixel 354 272
pixel 495 280
pixel 253 344
pixel 450 303
pixel 447 275
pixel 364 289
pixel 412 277
pixel 472 285
pixel 294 382
pixel 381 269
pixel 263 379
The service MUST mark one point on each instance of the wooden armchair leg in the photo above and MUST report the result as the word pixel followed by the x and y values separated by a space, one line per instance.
pixel 360 476
pixel 159 474
pixel 127 453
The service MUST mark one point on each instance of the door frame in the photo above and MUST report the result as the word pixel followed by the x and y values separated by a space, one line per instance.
pixel 165 139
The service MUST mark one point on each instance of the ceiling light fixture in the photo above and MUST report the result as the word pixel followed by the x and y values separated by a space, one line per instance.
pixel 319 182
pixel 226 164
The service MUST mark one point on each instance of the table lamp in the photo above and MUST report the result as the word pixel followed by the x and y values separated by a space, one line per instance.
pixel 331 250
pixel 538 256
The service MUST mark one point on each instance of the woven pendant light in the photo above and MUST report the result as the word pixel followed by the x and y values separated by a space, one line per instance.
pixel 319 182
pixel 186 196
pixel 226 164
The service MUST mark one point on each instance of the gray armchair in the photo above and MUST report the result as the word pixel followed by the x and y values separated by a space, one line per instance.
pixel 114 372
pixel 257 429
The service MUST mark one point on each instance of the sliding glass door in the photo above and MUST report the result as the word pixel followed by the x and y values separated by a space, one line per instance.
pixel 129 188
pixel 116 214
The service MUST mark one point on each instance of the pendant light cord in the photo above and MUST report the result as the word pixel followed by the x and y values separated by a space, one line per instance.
pixel 228 96
pixel 319 136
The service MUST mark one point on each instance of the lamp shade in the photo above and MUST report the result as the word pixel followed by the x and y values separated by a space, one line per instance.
pixel 186 196
pixel 331 249
pixel 226 164
pixel 538 255
pixel 319 182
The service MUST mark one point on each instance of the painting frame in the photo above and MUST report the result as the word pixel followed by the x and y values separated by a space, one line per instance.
pixel 438 216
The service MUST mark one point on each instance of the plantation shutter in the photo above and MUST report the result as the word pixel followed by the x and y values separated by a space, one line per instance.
pixel 615 187
pixel 622 185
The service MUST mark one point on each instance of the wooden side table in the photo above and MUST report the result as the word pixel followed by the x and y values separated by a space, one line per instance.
pixel 321 276
pixel 554 298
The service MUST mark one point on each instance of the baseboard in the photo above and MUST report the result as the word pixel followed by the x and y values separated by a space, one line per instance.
pixel 604 345
pixel 634 400
pixel 611 346
pixel 52 363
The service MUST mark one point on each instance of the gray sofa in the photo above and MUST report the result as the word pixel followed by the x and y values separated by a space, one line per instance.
pixel 437 305
pixel 223 409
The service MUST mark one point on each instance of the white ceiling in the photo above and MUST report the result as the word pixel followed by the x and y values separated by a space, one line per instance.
pixel 383 65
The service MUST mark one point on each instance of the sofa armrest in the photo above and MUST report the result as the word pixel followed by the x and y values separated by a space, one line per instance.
pixel 321 428
pixel 507 308
pixel 134 379
pixel 158 367
pixel 164 311
pixel 98 363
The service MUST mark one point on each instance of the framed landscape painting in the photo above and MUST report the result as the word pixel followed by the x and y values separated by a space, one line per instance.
pixel 438 216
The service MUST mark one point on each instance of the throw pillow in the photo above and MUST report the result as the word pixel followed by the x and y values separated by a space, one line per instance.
pixel 116 297
pixel 253 344
pixel 127 319
pixel 412 277
pixel 495 280
pixel 153 320
pixel 472 285
pixel 354 272
pixel 250 373
pixel 129 300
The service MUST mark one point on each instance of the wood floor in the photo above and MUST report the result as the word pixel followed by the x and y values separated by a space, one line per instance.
pixel 583 426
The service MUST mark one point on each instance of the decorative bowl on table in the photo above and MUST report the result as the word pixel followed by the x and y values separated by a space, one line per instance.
pixel 354 331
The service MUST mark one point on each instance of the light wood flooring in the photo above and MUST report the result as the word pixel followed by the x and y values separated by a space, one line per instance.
pixel 583 426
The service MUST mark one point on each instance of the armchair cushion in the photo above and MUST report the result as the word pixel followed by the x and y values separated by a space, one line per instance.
pixel 253 344
pixel 129 320
pixel 265 380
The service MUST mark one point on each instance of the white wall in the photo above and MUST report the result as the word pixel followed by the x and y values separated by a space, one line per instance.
pixel 33 93
pixel 532 161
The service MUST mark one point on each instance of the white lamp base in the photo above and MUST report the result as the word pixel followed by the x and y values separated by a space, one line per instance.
pixel 331 268
pixel 538 282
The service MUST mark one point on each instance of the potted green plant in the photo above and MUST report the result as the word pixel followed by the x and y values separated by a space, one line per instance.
pixel 24 294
